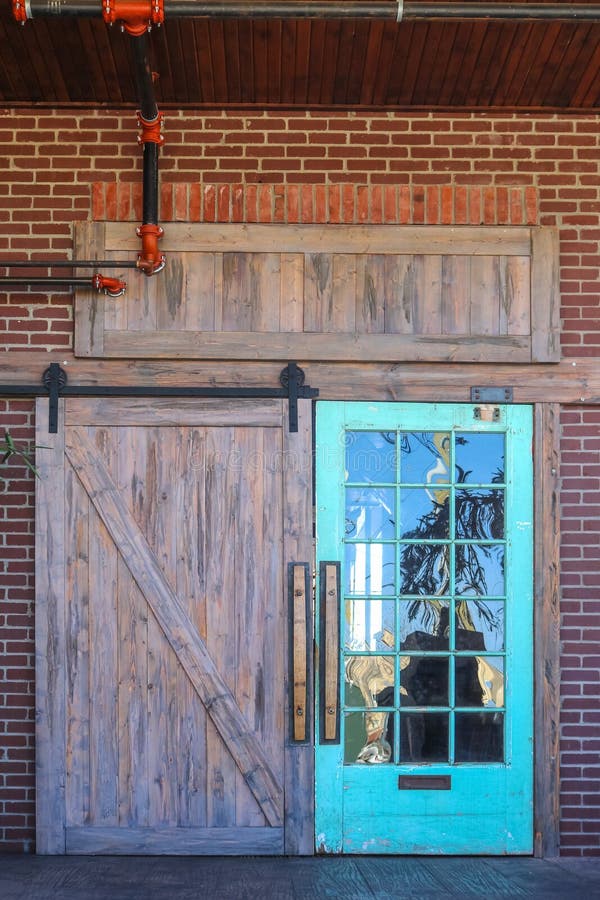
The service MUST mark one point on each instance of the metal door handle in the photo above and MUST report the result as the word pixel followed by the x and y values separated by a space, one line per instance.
pixel 330 650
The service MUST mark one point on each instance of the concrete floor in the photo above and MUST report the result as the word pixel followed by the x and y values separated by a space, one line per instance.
pixel 348 878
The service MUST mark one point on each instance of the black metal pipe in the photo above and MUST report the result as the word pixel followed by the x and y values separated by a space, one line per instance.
pixel 336 9
pixel 150 184
pixel 48 281
pixel 68 264
pixel 143 78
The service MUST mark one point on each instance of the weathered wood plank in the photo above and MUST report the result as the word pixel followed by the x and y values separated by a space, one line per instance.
pixel 220 536
pixel 175 841
pixel 90 243
pixel 103 657
pixel 190 574
pixel 291 301
pixel 547 629
pixel 401 291
pixel 484 292
pixel 298 547
pixel 158 525
pixel 259 624
pixel 370 294
pixel 174 411
pixel 132 635
pixel 251 292
pixel 515 306
pixel 184 639
pixel 456 294
pixel 318 346
pixel 252 238
pixel 545 295
pixel 50 647
pixel 76 624
pixel 188 287
pixel 572 381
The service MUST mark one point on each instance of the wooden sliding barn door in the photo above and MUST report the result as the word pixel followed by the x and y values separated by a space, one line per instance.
pixel 164 532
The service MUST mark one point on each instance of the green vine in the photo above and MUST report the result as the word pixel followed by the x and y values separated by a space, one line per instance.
pixel 10 449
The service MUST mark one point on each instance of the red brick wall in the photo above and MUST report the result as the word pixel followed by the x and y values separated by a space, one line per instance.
pixel 57 168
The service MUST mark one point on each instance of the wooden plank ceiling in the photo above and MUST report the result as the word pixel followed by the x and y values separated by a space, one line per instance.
pixel 481 64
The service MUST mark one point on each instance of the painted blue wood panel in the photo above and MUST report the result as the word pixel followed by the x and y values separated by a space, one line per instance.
pixel 489 808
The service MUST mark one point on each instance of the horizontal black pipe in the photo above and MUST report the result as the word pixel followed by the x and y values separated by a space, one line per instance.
pixel 336 9
pixel 68 264
pixel 49 281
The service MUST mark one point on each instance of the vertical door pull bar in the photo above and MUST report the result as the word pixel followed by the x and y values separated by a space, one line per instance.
pixel 298 589
pixel 330 651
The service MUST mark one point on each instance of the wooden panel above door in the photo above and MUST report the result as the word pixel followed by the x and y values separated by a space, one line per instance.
pixel 363 293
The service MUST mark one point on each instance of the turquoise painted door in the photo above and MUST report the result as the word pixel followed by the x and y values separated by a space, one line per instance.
pixel 424 542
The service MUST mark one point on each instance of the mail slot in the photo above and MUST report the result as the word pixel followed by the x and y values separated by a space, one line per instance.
pixel 424 782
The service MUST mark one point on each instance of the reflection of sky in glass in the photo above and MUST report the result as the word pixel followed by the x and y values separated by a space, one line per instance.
pixel 369 625
pixel 370 513
pixel 369 569
pixel 479 457
pixel 424 456
pixel 479 570
pixel 415 504
pixel 424 569
pixel 480 514
pixel 370 456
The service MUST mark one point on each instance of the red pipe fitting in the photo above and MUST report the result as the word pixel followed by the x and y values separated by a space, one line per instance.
pixel 151 131
pixel 150 261
pixel 136 16
pixel 19 11
pixel 114 287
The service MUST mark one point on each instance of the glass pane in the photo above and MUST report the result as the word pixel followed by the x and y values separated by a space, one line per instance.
pixel 370 513
pixel 479 514
pixel 423 737
pixel 369 569
pixel 479 737
pixel 373 676
pixel 425 569
pixel 369 625
pixel 370 456
pixel 479 570
pixel 479 458
pixel 424 513
pixel 480 625
pixel 479 681
pixel 367 737
pixel 425 457
pixel 424 681
pixel 424 624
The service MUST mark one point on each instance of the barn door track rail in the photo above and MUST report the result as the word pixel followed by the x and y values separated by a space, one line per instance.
pixel 54 385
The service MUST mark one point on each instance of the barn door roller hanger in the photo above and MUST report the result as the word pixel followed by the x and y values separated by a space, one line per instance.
pixel 54 384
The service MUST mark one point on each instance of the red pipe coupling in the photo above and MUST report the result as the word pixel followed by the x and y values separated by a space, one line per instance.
pixel 151 131
pixel 114 287
pixel 150 261
pixel 136 16
pixel 19 9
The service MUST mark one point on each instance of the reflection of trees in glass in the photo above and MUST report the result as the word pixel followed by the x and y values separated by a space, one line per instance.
pixel 425 567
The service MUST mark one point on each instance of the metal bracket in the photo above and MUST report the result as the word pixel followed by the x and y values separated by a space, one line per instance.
pixel 54 380
pixel 491 395
pixel 292 378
